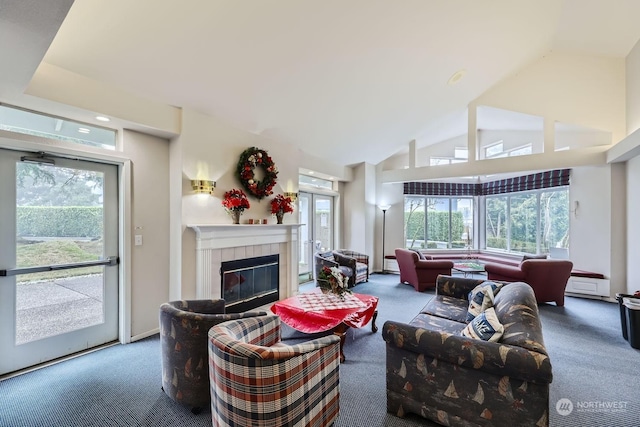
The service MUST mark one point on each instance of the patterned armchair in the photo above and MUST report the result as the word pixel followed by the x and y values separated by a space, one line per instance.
pixel 258 381
pixel 354 266
pixel 183 342
pixel 357 261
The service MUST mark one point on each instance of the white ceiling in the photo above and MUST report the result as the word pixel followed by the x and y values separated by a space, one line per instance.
pixel 355 80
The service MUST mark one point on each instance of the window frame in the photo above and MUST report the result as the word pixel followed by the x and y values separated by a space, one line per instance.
pixel 509 217
pixel 425 208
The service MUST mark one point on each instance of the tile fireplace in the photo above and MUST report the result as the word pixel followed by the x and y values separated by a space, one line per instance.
pixel 220 243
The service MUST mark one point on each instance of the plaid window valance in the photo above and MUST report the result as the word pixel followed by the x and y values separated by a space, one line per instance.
pixel 441 189
pixel 536 181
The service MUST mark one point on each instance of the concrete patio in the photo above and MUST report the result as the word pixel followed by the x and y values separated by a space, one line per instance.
pixel 47 308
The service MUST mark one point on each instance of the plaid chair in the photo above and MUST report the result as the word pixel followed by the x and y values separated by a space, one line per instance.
pixel 258 381
pixel 183 343
pixel 359 262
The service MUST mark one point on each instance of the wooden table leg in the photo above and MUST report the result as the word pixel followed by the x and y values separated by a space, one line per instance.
pixel 374 328
pixel 341 331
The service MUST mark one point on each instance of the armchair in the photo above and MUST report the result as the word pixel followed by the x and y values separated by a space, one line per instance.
pixel 355 268
pixel 547 277
pixel 420 273
pixel 256 380
pixel 183 343
pixel 357 261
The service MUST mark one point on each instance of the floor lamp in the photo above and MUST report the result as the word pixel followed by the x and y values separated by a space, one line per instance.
pixel 384 209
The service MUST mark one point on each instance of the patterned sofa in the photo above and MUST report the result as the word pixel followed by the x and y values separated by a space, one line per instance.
pixel 258 381
pixel 435 372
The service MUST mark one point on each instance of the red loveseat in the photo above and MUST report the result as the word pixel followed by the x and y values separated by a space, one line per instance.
pixel 547 277
pixel 420 273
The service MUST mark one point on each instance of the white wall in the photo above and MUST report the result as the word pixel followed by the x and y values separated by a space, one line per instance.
pixel 581 90
pixel 150 218
pixel 389 194
pixel 210 149
pixel 633 89
pixel 633 225
pixel 633 172
pixel 590 233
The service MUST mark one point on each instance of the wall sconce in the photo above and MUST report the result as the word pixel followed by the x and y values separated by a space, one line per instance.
pixel 291 195
pixel 203 186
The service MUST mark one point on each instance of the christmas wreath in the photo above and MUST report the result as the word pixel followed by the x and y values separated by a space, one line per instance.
pixel 250 159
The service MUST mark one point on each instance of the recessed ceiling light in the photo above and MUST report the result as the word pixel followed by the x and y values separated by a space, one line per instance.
pixel 84 130
pixel 456 77
pixel 103 118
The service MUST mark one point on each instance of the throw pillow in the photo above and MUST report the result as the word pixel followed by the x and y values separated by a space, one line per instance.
pixel 528 256
pixel 481 298
pixel 485 326
pixel 420 255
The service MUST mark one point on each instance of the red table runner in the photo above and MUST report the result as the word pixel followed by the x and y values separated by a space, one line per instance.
pixel 295 313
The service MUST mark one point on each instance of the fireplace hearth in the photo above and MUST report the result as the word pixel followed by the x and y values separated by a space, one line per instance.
pixel 250 282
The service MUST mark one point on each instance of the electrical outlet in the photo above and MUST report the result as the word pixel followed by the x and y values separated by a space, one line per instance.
pixel 138 239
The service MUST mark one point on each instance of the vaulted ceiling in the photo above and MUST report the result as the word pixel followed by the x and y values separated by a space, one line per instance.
pixel 358 77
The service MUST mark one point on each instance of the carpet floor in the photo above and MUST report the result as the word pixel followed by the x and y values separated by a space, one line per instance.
pixel 594 368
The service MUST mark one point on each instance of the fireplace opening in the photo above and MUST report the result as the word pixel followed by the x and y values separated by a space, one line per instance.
pixel 250 282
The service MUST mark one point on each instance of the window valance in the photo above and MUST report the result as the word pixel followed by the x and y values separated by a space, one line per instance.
pixel 536 181
pixel 441 189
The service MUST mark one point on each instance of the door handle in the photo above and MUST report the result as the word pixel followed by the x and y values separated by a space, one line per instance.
pixel 111 261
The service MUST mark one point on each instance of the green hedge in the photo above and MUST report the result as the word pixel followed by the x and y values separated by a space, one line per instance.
pixel 60 221
pixel 438 223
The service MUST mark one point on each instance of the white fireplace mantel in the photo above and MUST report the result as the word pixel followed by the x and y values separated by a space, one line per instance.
pixel 216 243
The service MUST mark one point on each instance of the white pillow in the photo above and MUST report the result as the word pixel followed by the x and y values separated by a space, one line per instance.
pixel 485 326
pixel 481 298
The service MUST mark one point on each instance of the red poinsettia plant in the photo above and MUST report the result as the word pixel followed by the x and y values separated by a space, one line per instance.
pixel 235 200
pixel 281 205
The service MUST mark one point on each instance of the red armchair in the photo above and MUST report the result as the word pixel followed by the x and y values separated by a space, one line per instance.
pixel 547 277
pixel 420 273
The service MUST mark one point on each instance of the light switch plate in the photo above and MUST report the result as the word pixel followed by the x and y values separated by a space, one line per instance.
pixel 138 239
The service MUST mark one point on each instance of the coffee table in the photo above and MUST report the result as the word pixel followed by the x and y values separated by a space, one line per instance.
pixel 314 312
pixel 468 268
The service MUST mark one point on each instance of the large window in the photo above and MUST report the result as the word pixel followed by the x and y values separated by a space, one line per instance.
pixel 528 222
pixel 38 124
pixel 448 223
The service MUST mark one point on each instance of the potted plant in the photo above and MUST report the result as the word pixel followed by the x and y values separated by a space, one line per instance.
pixel 331 280
pixel 235 202
pixel 281 205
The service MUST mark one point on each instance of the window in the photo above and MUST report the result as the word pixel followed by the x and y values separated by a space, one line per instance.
pixel 460 155
pixel 528 222
pixel 414 220
pixel 32 123
pixel 495 151
pixel 311 181
pixel 448 223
